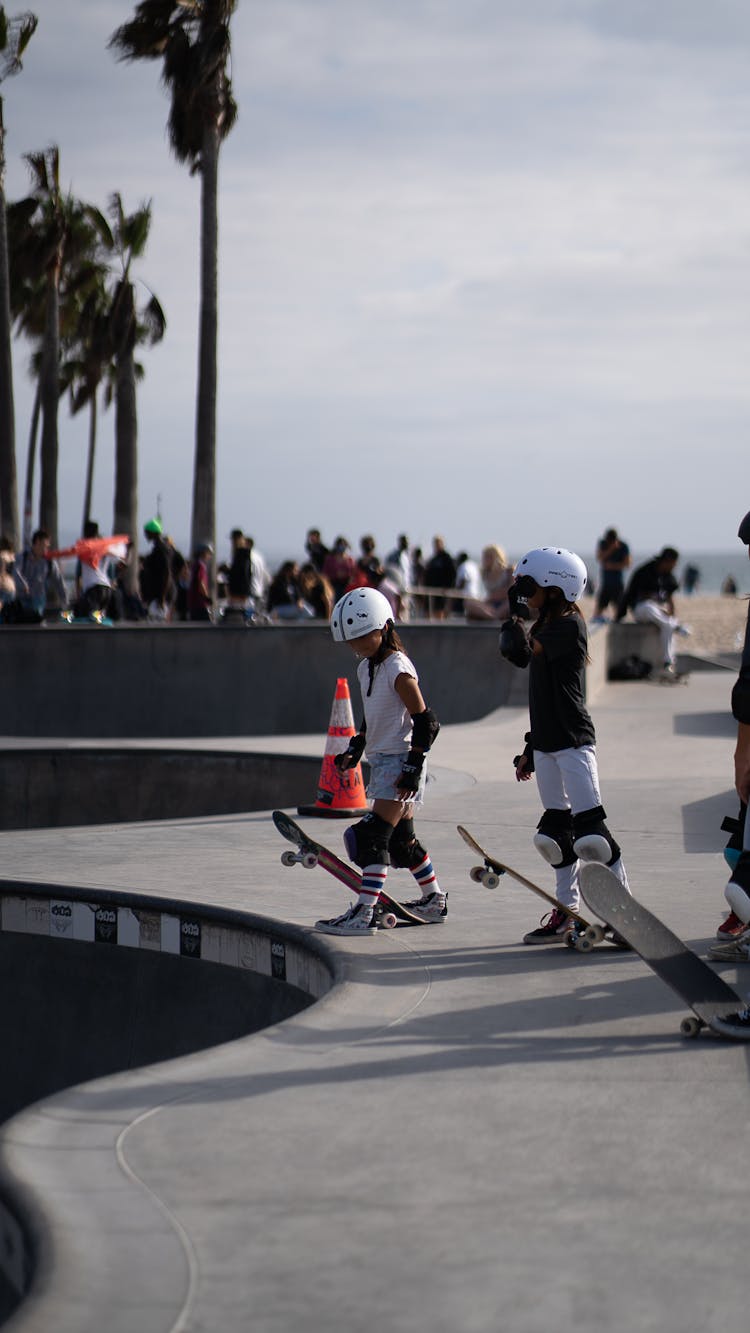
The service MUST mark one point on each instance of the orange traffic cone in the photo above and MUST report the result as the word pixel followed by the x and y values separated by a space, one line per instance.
pixel 339 794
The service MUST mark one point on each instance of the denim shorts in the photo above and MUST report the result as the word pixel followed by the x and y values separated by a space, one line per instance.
pixel 385 770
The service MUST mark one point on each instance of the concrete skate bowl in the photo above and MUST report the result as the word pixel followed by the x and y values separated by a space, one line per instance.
pixel 93 984
pixel 58 786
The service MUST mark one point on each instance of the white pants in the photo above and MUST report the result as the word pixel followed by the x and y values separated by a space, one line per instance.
pixel 569 780
pixel 651 613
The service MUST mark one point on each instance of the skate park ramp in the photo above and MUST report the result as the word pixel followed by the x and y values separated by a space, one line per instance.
pixel 100 986
pixel 61 785
pixel 95 987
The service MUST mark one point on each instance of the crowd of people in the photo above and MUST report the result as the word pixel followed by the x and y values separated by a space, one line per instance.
pixel 167 587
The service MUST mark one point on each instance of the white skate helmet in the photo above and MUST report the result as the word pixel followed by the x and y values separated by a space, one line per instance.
pixel 554 567
pixel 358 612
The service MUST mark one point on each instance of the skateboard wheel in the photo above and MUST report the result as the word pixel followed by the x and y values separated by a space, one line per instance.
pixel 309 859
pixel 476 873
pixel 490 879
pixel 288 859
pixel 571 939
pixel 690 1027
pixel 594 933
pixel 388 920
pixel 583 943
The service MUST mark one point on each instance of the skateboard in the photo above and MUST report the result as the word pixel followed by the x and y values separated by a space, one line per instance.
pixel 583 936
pixel 389 911
pixel 702 989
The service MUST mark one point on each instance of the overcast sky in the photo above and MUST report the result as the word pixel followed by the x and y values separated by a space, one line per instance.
pixel 484 267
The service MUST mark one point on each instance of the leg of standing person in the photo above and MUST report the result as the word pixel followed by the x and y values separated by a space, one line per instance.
pixel 554 842
pixel 737 894
pixel 571 829
pixel 408 853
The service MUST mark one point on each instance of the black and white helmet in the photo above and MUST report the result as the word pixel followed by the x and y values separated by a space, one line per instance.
pixel 554 567
pixel 359 612
pixel 743 531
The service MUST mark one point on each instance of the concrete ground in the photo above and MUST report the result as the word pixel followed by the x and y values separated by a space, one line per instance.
pixel 467 1134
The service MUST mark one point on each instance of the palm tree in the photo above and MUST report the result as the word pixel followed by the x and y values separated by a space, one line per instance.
pixel 129 326
pixel 192 39
pixel 53 240
pixel 88 364
pixel 15 35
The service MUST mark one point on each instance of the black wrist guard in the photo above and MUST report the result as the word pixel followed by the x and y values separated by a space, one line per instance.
pixel 517 594
pixel 527 753
pixel 425 728
pixel 351 756
pixel 411 772
pixel 514 646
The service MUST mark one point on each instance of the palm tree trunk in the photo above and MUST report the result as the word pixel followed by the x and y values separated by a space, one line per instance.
pixel 204 475
pixel 28 503
pixel 126 449
pixel 90 458
pixel 8 481
pixel 50 401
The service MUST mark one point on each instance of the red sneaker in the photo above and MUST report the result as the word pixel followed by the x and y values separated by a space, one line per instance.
pixel 553 929
pixel 731 928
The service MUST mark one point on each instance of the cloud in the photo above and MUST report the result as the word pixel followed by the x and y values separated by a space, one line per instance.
pixel 507 225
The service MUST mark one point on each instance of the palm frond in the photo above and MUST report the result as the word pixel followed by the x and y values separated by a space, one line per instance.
pixel 153 321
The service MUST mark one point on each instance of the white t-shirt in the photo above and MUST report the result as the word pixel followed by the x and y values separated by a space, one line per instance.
pixel 388 720
pixel 469 580
pixel 91 575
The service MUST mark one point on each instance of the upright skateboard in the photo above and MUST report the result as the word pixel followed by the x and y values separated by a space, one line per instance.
pixel 389 911
pixel 583 936
pixel 702 989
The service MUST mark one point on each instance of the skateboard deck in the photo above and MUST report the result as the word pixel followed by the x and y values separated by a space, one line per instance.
pixel 702 989
pixel 389 911
pixel 585 935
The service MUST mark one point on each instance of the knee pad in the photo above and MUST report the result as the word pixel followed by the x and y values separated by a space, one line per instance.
pixel 554 838
pixel 405 849
pixel 592 839
pixel 737 892
pixel 367 842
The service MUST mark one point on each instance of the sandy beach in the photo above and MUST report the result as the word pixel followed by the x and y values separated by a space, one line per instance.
pixel 717 623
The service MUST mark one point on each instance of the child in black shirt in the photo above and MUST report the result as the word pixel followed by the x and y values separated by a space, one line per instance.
pixel 561 743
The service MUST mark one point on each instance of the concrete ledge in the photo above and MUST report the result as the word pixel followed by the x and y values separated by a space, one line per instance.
pixel 51 787
pixel 626 639
pixel 596 668
pixel 198 681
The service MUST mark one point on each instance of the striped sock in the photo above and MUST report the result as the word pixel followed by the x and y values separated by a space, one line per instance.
pixel 373 880
pixel 426 878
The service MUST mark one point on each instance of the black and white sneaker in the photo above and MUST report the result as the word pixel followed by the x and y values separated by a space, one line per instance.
pixel 733 1025
pixel 553 929
pixel 733 951
pixel 432 910
pixel 358 920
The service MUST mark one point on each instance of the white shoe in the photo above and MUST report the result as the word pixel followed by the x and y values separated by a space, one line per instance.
pixel 358 920
pixel 734 951
pixel 733 1025
pixel 431 909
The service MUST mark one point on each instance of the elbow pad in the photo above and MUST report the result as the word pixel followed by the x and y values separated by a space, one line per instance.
pixel 514 646
pixel 425 728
